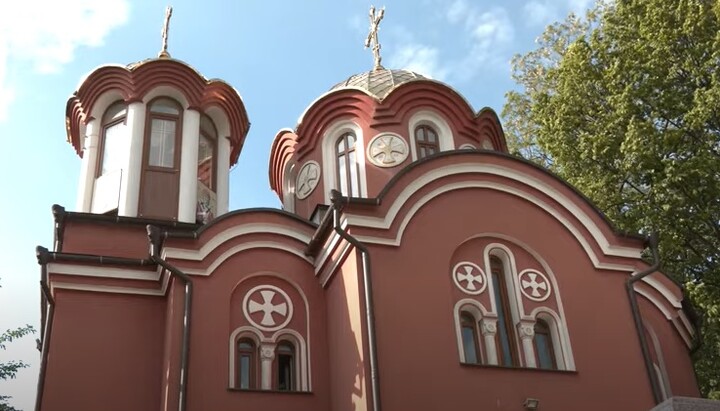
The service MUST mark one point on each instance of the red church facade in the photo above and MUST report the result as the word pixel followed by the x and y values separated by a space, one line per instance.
pixel 415 264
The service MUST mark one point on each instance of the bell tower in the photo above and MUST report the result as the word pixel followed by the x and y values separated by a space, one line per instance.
pixel 156 138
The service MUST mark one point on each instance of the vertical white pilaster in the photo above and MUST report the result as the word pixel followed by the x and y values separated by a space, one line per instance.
pixel 488 330
pixel 527 333
pixel 187 200
pixel 267 355
pixel 89 164
pixel 130 185
pixel 223 175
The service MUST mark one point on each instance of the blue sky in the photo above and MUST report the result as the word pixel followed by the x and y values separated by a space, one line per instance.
pixel 279 55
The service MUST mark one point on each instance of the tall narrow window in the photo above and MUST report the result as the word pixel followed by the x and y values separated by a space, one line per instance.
pixel 115 143
pixel 542 342
pixel 285 358
pixel 468 328
pixel 164 119
pixel 505 337
pixel 426 141
pixel 348 170
pixel 207 145
pixel 206 171
pixel 160 180
pixel 246 364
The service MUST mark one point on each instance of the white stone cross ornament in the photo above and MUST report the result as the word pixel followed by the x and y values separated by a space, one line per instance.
pixel 267 307
pixel 532 282
pixel 469 278
pixel 274 304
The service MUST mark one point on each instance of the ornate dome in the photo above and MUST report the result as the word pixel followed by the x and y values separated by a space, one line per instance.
pixel 379 83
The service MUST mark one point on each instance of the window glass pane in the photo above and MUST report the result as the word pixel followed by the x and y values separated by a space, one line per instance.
pixel 503 333
pixel 431 135
pixel 207 127
pixel 244 345
pixel 114 112
pixel 350 140
pixel 206 149
pixel 341 145
pixel 468 336
pixel 542 346
pixel 285 372
pixel 342 174
pixel 245 371
pixel 422 152
pixel 354 182
pixel 116 148
pixel 420 134
pixel 162 143
pixel 164 105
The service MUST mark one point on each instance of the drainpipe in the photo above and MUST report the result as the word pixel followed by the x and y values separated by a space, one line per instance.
pixel 337 198
pixel 46 320
pixel 156 235
pixel 639 327
pixel 44 256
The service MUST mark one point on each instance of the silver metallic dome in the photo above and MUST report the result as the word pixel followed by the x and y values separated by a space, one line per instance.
pixel 378 83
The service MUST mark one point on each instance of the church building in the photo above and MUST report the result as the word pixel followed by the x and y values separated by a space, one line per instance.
pixel 415 264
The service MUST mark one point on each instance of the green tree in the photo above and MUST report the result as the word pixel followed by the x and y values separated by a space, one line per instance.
pixel 625 105
pixel 10 369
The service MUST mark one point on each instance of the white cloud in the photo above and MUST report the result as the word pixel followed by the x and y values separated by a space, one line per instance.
pixel 543 12
pixel 485 35
pixel 419 58
pixel 45 34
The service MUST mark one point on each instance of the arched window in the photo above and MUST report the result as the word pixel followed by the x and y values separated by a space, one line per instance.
pixel 426 141
pixel 505 337
pixel 246 364
pixel 164 127
pixel 206 171
pixel 207 147
pixel 160 185
pixel 115 142
pixel 285 366
pixel 543 345
pixel 348 171
pixel 469 334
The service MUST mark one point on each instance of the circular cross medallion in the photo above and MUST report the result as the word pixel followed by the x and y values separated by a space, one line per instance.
pixel 469 278
pixel 534 285
pixel 387 150
pixel 307 179
pixel 267 307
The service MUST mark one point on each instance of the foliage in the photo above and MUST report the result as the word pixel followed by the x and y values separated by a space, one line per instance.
pixel 9 369
pixel 625 105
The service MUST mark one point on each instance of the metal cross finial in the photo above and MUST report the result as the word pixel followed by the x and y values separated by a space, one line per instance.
pixel 372 37
pixel 163 52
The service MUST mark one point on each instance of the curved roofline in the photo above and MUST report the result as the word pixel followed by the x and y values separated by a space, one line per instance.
pixel 255 210
pixel 463 152
pixel 381 100
pixel 132 82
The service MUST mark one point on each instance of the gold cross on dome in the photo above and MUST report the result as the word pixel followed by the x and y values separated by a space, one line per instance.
pixel 166 26
pixel 372 38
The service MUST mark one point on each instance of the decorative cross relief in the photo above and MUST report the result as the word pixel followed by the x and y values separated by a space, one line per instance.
pixel 274 304
pixel 469 278
pixel 307 179
pixel 387 150
pixel 534 285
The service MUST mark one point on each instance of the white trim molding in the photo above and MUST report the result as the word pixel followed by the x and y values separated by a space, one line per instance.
pixel 479 168
pixel 329 156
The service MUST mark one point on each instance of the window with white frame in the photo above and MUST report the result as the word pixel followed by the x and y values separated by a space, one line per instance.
pixel 503 333
pixel 430 133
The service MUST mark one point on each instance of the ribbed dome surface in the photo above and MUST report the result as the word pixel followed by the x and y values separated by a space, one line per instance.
pixel 379 83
